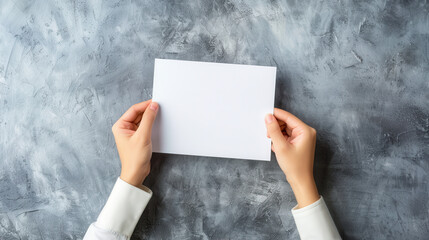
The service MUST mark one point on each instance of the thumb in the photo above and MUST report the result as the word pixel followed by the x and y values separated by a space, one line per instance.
pixel 145 128
pixel 273 128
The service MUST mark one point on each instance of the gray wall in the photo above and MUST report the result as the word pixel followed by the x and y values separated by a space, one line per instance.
pixel 355 70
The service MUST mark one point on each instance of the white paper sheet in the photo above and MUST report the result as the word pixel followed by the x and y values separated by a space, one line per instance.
pixel 212 109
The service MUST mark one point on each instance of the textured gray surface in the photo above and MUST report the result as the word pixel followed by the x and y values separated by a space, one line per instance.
pixel 355 70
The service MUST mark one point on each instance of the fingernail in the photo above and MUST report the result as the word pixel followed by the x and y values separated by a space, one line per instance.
pixel 153 106
pixel 269 118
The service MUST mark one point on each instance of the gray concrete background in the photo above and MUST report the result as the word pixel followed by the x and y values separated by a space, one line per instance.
pixel 355 70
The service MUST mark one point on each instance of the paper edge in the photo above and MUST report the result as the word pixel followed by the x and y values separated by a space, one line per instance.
pixel 211 156
pixel 236 64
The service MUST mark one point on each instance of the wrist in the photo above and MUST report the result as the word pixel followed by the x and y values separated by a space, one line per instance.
pixel 299 180
pixel 132 179
pixel 305 191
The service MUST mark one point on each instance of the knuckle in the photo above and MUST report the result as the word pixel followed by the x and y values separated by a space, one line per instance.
pixel 310 131
pixel 134 107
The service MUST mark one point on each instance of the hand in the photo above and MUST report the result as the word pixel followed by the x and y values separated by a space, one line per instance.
pixel 133 139
pixel 294 143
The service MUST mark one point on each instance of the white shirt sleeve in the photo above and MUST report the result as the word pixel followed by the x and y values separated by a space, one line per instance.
pixel 126 203
pixel 121 213
pixel 315 222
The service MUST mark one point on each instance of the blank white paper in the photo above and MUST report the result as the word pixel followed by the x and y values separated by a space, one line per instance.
pixel 212 109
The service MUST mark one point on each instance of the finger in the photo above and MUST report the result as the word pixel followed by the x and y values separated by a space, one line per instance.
pixel 288 131
pixel 145 128
pixel 138 119
pixel 283 128
pixel 284 132
pixel 273 128
pixel 290 120
pixel 133 114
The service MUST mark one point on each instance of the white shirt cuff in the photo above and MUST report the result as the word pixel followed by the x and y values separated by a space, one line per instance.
pixel 124 207
pixel 315 222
